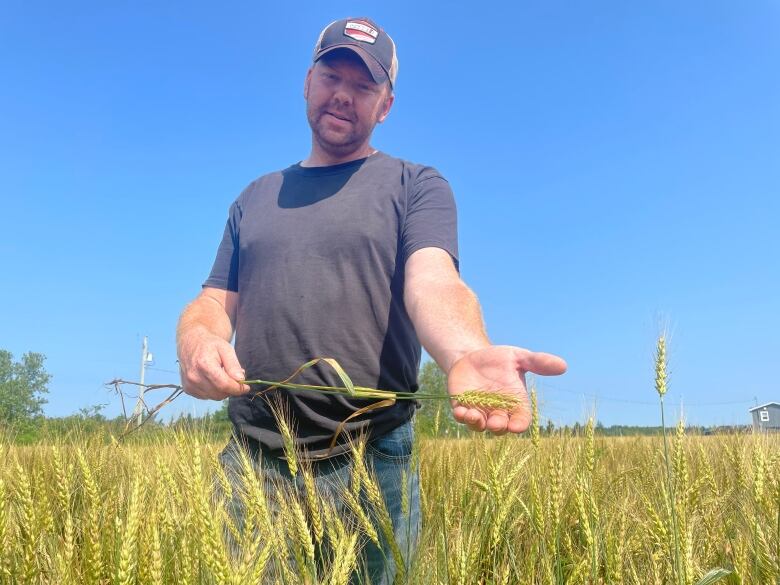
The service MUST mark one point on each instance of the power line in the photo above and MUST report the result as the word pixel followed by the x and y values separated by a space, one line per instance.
pixel 162 370
pixel 630 401
pixel 598 396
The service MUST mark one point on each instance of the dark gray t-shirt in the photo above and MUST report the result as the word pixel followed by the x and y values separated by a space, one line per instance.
pixel 317 257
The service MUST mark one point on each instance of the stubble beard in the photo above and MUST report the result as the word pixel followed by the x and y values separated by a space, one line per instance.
pixel 332 143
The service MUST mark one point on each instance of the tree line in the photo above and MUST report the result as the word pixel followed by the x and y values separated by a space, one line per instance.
pixel 24 385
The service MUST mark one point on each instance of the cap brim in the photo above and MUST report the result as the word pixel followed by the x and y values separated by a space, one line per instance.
pixel 376 70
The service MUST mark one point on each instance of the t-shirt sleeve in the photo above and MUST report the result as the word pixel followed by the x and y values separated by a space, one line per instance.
pixel 224 272
pixel 431 217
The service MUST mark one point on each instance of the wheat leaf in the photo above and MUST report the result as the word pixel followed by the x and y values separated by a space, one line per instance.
pixel 369 408
pixel 713 577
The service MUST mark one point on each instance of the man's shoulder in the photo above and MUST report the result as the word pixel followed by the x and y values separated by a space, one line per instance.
pixel 414 171
pixel 266 180
pixel 261 184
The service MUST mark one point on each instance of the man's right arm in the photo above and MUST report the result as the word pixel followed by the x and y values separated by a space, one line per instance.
pixel 209 365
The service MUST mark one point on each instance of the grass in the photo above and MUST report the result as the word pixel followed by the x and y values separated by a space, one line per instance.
pixel 567 509
pixel 553 509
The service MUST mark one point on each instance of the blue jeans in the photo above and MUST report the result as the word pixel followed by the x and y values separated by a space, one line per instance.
pixel 389 456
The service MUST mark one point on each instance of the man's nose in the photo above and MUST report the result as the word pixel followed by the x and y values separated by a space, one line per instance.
pixel 342 96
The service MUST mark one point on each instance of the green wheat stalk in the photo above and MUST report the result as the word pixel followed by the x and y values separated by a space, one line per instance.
pixel 470 398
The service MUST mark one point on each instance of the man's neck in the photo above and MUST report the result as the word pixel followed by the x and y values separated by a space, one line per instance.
pixel 318 158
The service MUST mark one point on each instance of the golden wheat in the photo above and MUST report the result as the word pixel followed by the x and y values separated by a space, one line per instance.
pixel 571 509
pixel 488 400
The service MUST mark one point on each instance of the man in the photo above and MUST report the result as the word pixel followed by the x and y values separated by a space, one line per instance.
pixel 350 254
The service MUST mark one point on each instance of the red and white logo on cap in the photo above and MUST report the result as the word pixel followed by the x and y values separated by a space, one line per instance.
pixel 360 30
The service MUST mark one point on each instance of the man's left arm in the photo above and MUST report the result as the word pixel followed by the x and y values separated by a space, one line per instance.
pixel 448 320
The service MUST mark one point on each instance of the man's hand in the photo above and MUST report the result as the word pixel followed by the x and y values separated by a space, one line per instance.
pixel 209 366
pixel 208 363
pixel 499 368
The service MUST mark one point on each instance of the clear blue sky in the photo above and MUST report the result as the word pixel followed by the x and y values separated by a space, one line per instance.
pixel 616 168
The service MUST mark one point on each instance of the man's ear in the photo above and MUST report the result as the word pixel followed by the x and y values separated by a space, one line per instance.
pixel 386 105
pixel 306 83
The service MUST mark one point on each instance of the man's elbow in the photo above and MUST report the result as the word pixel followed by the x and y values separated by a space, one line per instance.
pixel 425 290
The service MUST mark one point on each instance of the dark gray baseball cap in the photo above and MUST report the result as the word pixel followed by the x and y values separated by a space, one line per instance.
pixel 363 36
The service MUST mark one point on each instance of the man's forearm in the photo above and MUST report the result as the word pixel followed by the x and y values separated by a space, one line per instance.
pixel 448 320
pixel 208 362
pixel 205 314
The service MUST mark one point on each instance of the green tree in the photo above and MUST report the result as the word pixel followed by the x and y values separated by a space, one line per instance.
pixel 221 415
pixel 434 416
pixel 22 386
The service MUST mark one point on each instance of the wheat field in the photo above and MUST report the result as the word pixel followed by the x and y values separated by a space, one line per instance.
pixel 510 510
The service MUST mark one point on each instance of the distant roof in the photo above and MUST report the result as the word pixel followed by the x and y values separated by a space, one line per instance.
pixel 764 406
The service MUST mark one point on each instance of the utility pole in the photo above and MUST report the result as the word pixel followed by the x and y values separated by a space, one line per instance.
pixel 146 358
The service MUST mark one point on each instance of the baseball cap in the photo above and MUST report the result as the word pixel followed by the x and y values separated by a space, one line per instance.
pixel 363 36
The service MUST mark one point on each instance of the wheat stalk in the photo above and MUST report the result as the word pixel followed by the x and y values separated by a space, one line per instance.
pixel 374 496
pixel 155 561
pixel 363 520
pixel 301 532
pixel 344 559
pixel 90 522
pixel 26 523
pixel 5 565
pixel 476 398
pixel 312 503
pixel 128 556
pixel 534 419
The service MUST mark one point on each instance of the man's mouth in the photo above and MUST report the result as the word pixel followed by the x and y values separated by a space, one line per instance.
pixel 338 117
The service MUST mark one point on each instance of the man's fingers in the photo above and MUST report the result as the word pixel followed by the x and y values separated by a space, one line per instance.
pixel 214 373
pixel 199 386
pixel 544 364
pixel 459 413
pixel 497 421
pixel 519 421
pixel 231 366
pixel 193 390
pixel 190 381
pixel 217 378
pixel 476 420
pixel 473 418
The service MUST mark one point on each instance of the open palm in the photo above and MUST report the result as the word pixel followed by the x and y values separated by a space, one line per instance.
pixel 502 369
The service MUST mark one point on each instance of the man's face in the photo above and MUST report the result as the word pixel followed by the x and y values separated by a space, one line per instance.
pixel 344 103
